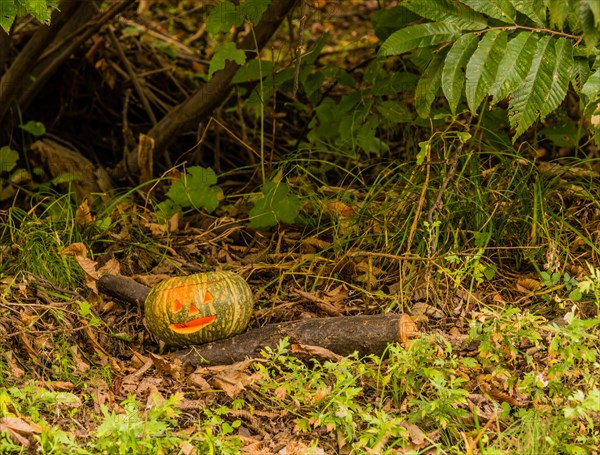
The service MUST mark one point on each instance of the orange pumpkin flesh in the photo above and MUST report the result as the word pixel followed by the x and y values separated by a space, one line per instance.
pixel 198 308
pixel 192 326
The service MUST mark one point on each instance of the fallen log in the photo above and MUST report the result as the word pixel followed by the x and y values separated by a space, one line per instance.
pixel 342 335
pixel 367 334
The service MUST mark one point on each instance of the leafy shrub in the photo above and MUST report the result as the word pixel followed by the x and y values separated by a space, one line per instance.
pixel 527 52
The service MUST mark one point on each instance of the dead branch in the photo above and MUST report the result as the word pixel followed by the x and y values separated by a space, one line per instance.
pixel 202 103
pixel 342 335
pixel 14 80
pixel 123 289
pixel 79 29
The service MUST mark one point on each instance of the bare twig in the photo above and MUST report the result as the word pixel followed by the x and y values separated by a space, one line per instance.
pixel 134 79
pixel 438 199
pixel 299 44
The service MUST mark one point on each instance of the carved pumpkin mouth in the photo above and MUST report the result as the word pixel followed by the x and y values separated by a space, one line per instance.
pixel 192 326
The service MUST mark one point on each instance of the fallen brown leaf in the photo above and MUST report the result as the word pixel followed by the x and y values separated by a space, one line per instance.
pixel 232 379
pixel 316 352
pixel 172 367
pixel 19 429
pixel 528 285
pixel 407 330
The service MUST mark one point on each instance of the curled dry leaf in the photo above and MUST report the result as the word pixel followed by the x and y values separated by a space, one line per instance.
pixel 486 386
pixel 83 215
pixel 169 367
pixel 339 209
pixel 421 311
pixel 528 285
pixel 407 329
pixel 80 253
pixel 196 379
pixel 112 267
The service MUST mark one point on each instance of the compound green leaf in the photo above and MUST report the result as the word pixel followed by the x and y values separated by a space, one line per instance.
pixel 594 6
pixel 533 9
pixel 223 52
pixel 501 10
pixel 8 12
pixel 591 88
pixel 558 11
pixel 526 102
pixel 418 35
pixel 278 204
pixel 573 21
pixel 581 73
pixel 453 74
pixel 590 26
pixel 545 86
pixel 254 9
pixel 429 84
pixel 514 66
pixel 196 189
pixel 483 66
pixel 447 11
pixel 224 16
pixel 561 75
pixel 37 8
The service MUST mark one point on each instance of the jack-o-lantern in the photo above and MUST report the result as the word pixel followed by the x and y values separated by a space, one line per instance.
pixel 198 308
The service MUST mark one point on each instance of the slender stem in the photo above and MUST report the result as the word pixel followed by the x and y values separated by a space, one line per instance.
pixel 533 29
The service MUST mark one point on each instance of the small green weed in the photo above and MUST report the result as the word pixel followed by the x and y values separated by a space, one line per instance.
pixel 136 430
pixel 196 189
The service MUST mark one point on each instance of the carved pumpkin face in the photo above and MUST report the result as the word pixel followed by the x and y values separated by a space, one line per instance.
pixel 185 311
pixel 198 308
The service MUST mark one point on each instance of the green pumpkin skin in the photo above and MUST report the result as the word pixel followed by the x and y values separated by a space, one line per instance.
pixel 198 308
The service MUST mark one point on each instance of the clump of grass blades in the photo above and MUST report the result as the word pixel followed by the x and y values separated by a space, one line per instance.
pixel 39 238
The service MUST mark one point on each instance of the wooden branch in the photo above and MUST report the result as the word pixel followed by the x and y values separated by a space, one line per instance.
pixel 123 289
pixel 186 116
pixel 5 49
pixel 14 80
pixel 79 29
pixel 342 335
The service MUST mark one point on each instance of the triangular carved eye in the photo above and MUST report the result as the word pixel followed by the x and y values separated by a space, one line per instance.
pixel 193 310
pixel 177 306
pixel 207 298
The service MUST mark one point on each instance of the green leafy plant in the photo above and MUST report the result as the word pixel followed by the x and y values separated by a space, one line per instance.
pixel 13 8
pixel 496 336
pixel 223 52
pixel 8 163
pixel 591 285
pixel 559 282
pixel 277 204
pixel 222 18
pixel 138 430
pixel 526 51
pixel 217 435
pixel 34 128
pixel 227 14
pixel 196 189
